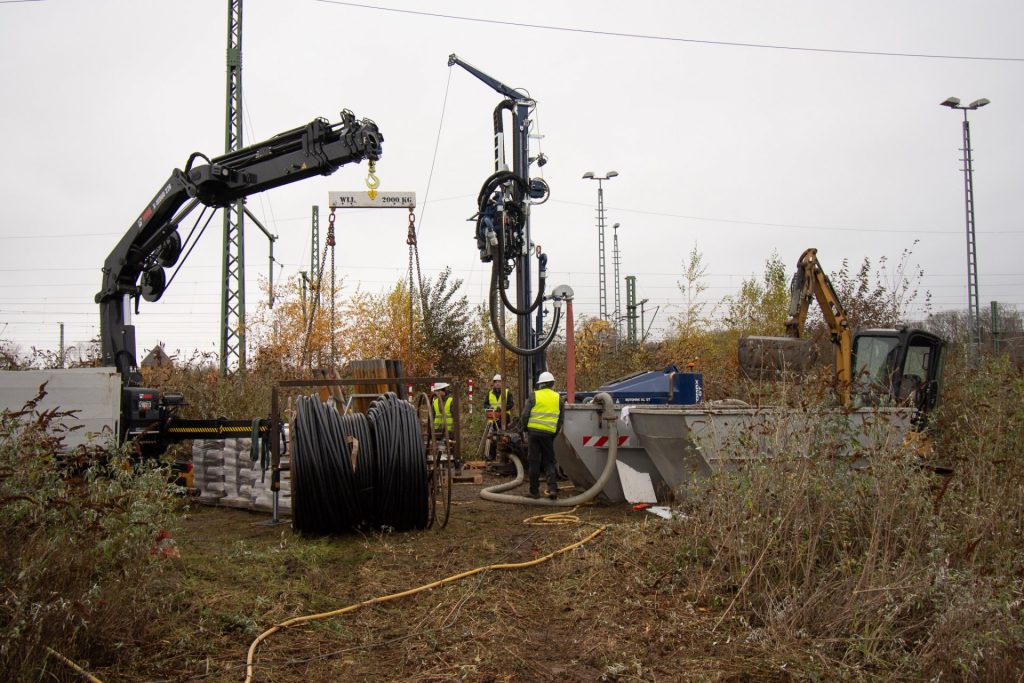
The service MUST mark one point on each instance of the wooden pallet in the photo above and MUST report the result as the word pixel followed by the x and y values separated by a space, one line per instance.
pixel 474 465
pixel 467 478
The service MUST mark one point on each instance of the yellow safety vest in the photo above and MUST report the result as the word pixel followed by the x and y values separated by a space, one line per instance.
pixel 438 425
pixel 497 403
pixel 544 415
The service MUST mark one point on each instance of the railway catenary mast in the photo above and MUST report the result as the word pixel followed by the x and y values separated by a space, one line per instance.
pixel 232 300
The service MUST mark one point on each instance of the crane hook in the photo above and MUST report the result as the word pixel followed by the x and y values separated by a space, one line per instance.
pixel 372 181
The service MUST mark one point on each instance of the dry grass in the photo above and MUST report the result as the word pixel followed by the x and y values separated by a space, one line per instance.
pixel 797 568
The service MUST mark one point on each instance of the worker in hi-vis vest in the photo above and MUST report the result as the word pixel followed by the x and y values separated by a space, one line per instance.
pixel 498 407
pixel 543 415
pixel 441 407
pixel 499 411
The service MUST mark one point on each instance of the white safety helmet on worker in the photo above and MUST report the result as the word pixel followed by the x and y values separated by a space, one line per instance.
pixel 546 377
pixel 497 378
pixel 438 386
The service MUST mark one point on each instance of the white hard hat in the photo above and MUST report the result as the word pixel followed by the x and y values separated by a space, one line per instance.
pixel 497 378
pixel 545 377
pixel 437 386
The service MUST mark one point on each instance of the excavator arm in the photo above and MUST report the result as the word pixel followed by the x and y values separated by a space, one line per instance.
pixel 774 358
pixel 893 366
pixel 811 282
pixel 137 265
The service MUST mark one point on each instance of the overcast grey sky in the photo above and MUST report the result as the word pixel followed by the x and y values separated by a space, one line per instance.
pixel 739 150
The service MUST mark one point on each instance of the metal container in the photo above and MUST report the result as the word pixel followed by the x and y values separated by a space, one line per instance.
pixel 581 450
pixel 676 445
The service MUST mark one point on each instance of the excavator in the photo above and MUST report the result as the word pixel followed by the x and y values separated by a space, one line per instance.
pixel 874 367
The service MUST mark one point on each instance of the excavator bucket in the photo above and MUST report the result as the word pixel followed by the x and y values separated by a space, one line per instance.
pixel 776 358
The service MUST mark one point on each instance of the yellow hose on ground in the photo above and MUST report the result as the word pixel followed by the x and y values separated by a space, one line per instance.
pixel 554 518
pixel 249 667
pixel 85 674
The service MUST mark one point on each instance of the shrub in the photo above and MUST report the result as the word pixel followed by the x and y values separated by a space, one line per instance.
pixel 827 571
pixel 77 574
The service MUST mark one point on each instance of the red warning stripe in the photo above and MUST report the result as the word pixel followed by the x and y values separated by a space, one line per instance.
pixel 602 441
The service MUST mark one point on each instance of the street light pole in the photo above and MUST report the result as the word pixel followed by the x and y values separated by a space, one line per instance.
pixel 973 305
pixel 602 278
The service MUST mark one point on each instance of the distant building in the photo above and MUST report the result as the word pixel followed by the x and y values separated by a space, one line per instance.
pixel 157 358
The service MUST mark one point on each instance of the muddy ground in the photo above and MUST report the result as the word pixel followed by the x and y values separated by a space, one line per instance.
pixel 606 611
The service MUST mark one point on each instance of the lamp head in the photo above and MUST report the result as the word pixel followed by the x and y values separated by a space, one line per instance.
pixel 978 103
pixel 612 174
pixel 589 175
pixel 952 102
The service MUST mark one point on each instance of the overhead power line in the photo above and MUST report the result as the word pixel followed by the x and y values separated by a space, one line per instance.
pixel 673 39
pixel 925 231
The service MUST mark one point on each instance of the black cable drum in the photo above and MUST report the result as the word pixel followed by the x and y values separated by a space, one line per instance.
pixel 402 482
pixel 385 485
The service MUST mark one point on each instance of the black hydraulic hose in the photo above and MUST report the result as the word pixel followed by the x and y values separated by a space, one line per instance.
pixel 492 182
pixel 499 131
pixel 489 186
pixel 496 266
pixel 519 351
pixel 496 291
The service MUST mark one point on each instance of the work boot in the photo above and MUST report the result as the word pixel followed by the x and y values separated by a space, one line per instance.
pixel 553 495
pixel 533 494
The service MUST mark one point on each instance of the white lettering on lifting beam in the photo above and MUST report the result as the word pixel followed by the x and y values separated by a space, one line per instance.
pixel 362 200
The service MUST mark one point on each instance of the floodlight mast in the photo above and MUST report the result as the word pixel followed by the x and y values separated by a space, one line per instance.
pixel 514 230
pixel 973 304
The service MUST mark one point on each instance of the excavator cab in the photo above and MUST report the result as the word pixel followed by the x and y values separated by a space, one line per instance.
pixel 900 366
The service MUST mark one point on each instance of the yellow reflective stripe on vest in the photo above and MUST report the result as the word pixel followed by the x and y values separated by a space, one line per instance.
pixel 544 416
pixel 447 414
pixel 497 405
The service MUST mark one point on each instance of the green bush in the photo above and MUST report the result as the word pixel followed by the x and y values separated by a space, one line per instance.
pixel 81 567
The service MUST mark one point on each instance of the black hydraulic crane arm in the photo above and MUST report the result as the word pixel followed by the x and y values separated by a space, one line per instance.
pixel 152 242
pixel 494 83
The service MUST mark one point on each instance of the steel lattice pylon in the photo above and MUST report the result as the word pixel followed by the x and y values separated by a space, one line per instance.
pixel 631 309
pixel 232 333
pixel 615 269
pixel 602 277
pixel 973 303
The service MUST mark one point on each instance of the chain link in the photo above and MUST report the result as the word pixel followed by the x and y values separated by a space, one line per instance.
pixel 317 286
pixel 330 245
pixel 411 241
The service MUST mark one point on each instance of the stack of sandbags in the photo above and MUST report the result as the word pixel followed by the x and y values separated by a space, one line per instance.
pixel 208 469
pixel 236 459
pixel 263 496
pixel 225 474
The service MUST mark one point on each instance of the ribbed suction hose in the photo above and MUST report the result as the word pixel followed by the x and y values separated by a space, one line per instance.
pixel 607 413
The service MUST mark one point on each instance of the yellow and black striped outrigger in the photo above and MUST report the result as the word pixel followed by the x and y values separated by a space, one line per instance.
pixel 181 429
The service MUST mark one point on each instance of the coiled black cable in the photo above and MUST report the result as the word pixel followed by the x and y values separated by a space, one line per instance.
pixel 357 426
pixel 322 477
pixel 402 492
pixel 385 485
